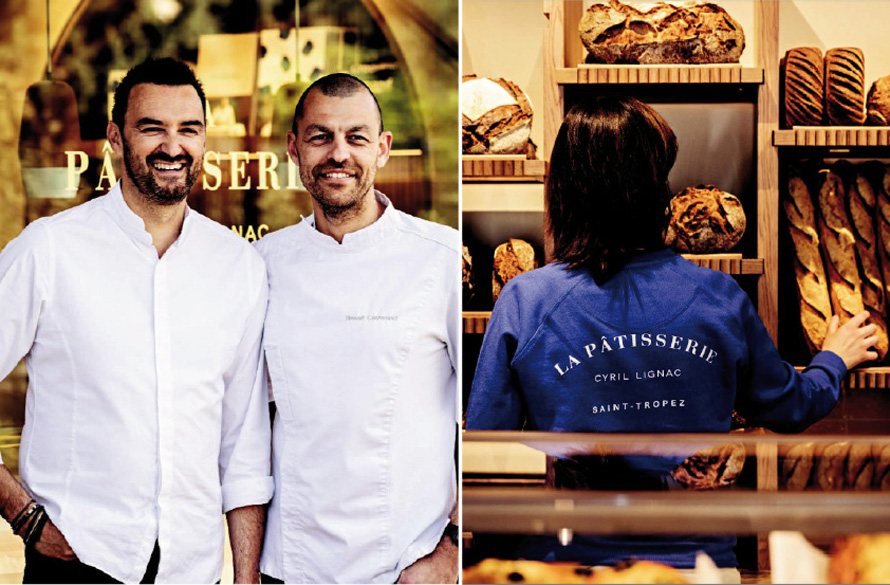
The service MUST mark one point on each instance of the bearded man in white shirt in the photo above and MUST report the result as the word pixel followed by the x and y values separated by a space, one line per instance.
pixel 361 345
pixel 140 322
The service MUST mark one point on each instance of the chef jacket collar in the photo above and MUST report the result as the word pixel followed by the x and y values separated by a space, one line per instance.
pixel 360 239
pixel 133 225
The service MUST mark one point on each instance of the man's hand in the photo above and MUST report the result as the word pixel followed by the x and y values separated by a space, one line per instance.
pixel 440 566
pixel 52 543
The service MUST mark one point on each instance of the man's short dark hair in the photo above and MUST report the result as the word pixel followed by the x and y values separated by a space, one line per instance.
pixel 607 193
pixel 162 71
pixel 335 85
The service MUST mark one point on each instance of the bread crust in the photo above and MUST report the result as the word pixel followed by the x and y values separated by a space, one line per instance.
pixel 797 466
pixel 861 203
pixel 809 270
pixel 845 86
pixel 693 32
pixel 511 258
pixel 803 87
pixel 839 245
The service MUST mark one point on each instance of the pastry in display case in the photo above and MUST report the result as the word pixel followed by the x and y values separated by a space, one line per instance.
pixel 840 526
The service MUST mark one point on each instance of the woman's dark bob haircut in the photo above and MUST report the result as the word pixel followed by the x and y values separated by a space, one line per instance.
pixel 607 194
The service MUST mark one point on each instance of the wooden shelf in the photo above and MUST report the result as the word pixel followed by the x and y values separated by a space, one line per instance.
pixel 646 74
pixel 500 168
pixel 499 201
pixel 729 263
pixel 548 511
pixel 476 321
pixel 861 378
pixel 833 136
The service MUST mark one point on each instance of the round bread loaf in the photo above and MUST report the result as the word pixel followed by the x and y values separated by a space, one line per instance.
pixel 467 275
pixel 845 86
pixel 711 468
pixel 496 116
pixel 693 32
pixel 511 258
pixel 878 102
pixel 803 86
pixel 705 219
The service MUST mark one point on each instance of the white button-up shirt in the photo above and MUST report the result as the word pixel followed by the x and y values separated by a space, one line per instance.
pixel 146 414
pixel 361 344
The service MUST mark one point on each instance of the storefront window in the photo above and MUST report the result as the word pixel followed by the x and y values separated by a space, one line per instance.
pixel 254 59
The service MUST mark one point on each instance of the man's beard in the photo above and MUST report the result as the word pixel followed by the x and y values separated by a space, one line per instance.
pixel 140 173
pixel 336 203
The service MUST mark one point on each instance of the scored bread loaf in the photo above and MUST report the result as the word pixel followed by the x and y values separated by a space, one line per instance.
pixel 466 280
pixel 861 202
pixel 511 258
pixel 693 32
pixel 831 466
pixel 882 222
pixel 803 87
pixel 860 467
pixel 877 105
pixel 844 285
pixel 812 283
pixel 797 466
pixel 880 454
pixel 496 116
pixel 845 86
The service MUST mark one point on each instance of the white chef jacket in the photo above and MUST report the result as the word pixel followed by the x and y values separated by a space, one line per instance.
pixel 146 413
pixel 361 344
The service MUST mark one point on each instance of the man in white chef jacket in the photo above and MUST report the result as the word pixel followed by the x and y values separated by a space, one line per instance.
pixel 140 322
pixel 361 346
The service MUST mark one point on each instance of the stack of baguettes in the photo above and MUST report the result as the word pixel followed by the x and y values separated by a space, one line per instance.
pixel 839 221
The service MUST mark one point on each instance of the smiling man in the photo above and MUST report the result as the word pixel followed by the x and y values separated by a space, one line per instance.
pixel 140 322
pixel 361 346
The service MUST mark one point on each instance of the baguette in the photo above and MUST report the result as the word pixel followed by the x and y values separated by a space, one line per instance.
pixel 882 223
pixel 861 201
pixel 881 456
pixel 860 467
pixel 797 466
pixel 831 465
pixel 845 288
pixel 812 284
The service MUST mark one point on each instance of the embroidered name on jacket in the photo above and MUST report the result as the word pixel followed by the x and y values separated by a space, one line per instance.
pixel 637 340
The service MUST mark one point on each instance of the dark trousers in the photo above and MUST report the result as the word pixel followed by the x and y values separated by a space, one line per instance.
pixel 43 569
pixel 264 578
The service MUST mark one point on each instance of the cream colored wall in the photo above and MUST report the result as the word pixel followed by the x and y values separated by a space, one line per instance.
pixel 505 38
pixel 849 23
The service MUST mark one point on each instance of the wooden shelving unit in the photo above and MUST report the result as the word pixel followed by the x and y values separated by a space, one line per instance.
pixel 514 201
pixel 620 74
pixel 833 136
pixel 501 168
pixel 475 322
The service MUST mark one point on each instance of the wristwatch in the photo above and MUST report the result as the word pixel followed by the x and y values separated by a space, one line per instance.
pixel 452 531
